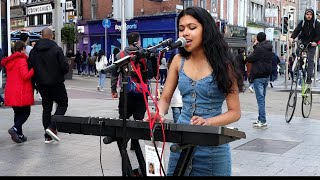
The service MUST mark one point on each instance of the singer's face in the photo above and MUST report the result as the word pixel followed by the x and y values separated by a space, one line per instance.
pixel 191 30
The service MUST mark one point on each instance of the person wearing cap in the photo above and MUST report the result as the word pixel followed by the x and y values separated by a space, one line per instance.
pixel 261 60
pixel 308 31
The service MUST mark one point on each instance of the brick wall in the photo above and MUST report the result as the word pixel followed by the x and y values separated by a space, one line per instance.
pixel 141 7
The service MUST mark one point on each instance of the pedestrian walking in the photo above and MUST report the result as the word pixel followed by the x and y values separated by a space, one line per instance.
pixel 290 65
pixel 163 69
pixel 25 38
pixel 261 59
pixel 91 64
pixel 50 66
pixel 206 75
pixel 101 64
pixel 78 61
pixel 274 72
pixel 239 58
pixel 84 63
pixel 19 90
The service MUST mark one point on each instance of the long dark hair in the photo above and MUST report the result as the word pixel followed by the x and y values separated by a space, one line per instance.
pixel 216 50
pixel 100 54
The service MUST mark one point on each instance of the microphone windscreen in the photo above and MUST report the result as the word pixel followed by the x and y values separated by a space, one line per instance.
pixel 183 41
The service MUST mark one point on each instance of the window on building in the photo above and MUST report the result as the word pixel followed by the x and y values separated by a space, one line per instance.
pixel 151 41
pixel 256 14
pixel 93 9
pixel 32 20
pixel 40 19
pixel 14 2
pixel 49 18
pixel 278 19
pixel 202 3
pixel 214 6
pixel 187 3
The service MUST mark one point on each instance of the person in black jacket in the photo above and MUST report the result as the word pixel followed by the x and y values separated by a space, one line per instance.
pixel 274 73
pixel 308 31
pixel 78 61
pixel 50 66
pixel 261 59
pixel 241 63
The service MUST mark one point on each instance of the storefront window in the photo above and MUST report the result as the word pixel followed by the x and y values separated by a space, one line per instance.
pixel 32 20
pixel 151 41
pixel 40 19
pixel 49 18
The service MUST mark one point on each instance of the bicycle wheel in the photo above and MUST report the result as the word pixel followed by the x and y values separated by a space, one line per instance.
pixel 292 101
pixel 306 104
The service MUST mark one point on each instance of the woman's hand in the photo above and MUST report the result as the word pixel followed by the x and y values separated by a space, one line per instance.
pixel 196 120
pixel 159 118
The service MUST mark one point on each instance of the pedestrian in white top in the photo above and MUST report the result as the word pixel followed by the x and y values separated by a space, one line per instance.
pixel 163 70
pixel 101 64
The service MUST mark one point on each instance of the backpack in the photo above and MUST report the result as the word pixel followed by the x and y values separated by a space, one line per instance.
pixel 91 60
pixel 134 86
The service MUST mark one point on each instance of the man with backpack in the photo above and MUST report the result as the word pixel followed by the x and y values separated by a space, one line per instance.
pixel 135 98
pixel 308 31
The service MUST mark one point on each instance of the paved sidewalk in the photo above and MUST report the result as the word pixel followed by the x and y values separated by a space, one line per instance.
pixel 282 149
pixel 280 83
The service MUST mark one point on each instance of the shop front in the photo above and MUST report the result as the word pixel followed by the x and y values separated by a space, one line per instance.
pixel 152 29
pixel 236 38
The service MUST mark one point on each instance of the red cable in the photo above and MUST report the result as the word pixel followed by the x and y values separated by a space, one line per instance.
pixel 145 90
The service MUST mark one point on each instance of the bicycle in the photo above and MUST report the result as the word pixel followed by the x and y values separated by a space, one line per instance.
pixel 299 69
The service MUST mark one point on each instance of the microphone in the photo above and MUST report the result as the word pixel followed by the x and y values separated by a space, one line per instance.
pixel 180 42
pixel 162 43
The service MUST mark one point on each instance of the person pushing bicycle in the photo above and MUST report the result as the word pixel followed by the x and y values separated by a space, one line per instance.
pixel 308 31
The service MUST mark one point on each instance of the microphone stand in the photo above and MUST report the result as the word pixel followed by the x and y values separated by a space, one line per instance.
pixel 124 153
pixel 120 64
pixel 141 53
pixel 124 125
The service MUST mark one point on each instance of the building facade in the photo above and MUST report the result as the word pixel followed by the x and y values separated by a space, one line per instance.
pixel 155 21
pixel 34 15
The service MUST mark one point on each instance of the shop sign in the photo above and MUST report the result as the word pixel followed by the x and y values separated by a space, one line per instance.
pixel 40 9
pixel 236 31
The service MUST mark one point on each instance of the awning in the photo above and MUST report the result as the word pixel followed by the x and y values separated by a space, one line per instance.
pixel 15 35
pixel 35 29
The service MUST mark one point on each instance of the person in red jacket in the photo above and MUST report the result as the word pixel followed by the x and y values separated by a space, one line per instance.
pixel 19 91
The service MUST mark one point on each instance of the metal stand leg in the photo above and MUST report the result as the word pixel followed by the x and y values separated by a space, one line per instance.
pixel 184 160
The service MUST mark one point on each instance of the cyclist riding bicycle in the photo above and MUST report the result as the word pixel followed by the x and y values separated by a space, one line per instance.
pixel 308 31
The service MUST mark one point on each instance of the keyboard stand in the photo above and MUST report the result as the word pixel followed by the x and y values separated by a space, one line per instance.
pixel 185 160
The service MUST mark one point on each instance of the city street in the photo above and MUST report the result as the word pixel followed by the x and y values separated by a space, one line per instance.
pixel 281 149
